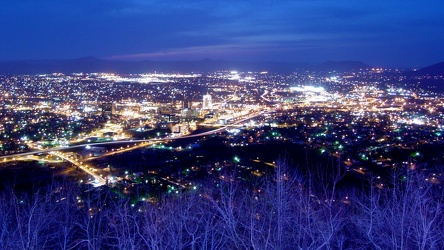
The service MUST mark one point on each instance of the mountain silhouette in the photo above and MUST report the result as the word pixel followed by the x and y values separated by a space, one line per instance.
pixel 433 70
pixel 92 64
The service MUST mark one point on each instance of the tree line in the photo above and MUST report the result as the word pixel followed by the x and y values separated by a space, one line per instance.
pixel 286 210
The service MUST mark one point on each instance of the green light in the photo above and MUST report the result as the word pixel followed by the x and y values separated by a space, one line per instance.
pixel 364 157
pixel 415 154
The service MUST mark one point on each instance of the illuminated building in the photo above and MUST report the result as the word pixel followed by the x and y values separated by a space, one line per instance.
pixel 108 109
pixel 207 103
pixel 189 114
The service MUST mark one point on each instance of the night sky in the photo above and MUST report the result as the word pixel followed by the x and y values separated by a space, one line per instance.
pixel 378 32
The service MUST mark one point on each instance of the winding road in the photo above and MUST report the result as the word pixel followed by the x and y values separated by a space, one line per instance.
pixel 101 181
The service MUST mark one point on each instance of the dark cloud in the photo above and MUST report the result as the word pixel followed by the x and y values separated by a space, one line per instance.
pixel 316 30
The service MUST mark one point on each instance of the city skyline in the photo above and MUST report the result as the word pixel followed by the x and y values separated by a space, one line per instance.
pixel 334 159
pixel 395 33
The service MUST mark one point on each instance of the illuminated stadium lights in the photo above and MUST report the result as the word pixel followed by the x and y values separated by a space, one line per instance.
pixel 147 78
pixel 417 121
pixel 318 98
pixel 308 89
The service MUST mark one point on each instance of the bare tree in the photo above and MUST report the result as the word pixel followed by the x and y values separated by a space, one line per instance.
pixel 284 211
pixel 368 217
pixel 327 210
pixel 6 214
pixel 65 199
pixel 92 222
pixel 33 216
pixel 123 225
pixel 151 226
pixel 429 222
pixel 226 202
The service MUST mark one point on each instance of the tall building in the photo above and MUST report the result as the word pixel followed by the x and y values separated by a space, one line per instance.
pixel 108 109
pixel 207 104
pixel 186 104
pixel 188 114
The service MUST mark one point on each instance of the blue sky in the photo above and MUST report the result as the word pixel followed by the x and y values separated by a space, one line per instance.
pixel 380 33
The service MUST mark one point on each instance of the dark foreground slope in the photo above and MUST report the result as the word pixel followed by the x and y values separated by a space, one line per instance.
pixel 286 211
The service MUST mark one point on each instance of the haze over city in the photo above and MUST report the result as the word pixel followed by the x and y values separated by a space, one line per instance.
pixel 380 33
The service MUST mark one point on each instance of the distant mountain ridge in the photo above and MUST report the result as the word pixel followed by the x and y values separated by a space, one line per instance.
pixel 92 64
pixel 342 66
pixel 433 70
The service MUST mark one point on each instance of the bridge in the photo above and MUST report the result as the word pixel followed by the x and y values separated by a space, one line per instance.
pixel 99 181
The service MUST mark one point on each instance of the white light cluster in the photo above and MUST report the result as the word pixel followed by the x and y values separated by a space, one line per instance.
pixel 308 89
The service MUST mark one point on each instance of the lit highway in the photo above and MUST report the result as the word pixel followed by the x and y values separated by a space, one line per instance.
pixel 141 143
pixel 99 181
pixel 42 151
pixel 214 131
